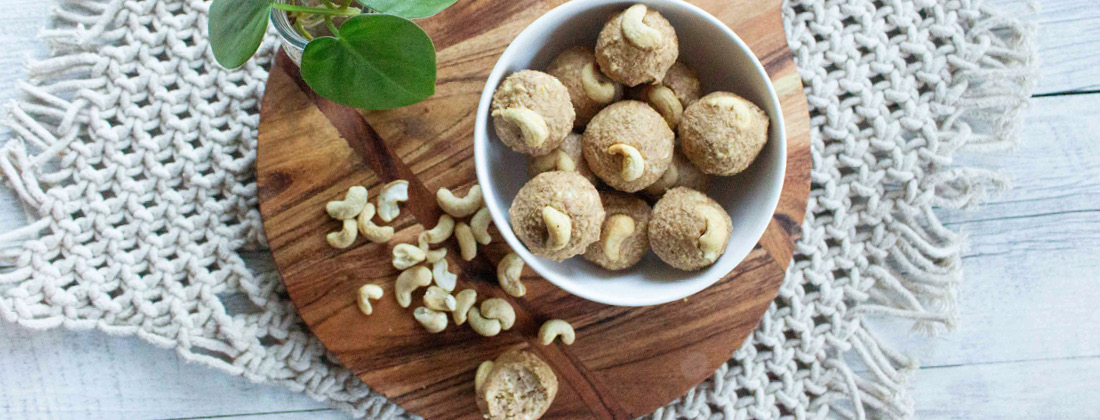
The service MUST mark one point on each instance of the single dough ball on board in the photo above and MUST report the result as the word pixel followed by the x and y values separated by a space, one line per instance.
pixel 518 386
pixel 681 173
pixel 531 112
pixel 689 230
pixel 567 157
pixel 589 89
pixel 722 133
pixel 672 95
pixel 622 242
pixel 557 214
pixel 628 145
pixel 637 46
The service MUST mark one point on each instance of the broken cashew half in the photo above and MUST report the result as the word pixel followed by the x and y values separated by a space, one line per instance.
pixel 371 231
pixel 481 325
pixel 479 226
pixel 664 100
pixel 464 300
pixel 555 160
pixel 344 237
pixel 555 328
pixel 350 206
pixel 443 277
pixel 500 310
pixel 531 125
pixel 633 162
pixel 459 207
pixel 442 230
pixel 616 229
pixel 434 321
pixel 410 280
pixel 435 255
pixel 509 270
pixel 715 234
pixel 437 298
pixel 636 31
pixel 482 374
pixel 391 194
pixel 559 228
pixel 597 86
pixel 467 245
pixel 368 293
pixel 407 255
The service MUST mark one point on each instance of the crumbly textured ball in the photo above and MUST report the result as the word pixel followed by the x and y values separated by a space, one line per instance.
pixel 589 90
pixel 676 226
pixel 722 133
pixel 672 95
pixel 546 97
pixel 633 247
pixel 634 124
pixel 623 59
pixel 566 192
pixel 519 386
pixel 681 173
pixel 684 81
pixel 553 161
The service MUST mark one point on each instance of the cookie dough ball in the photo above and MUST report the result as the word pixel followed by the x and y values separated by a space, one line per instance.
pixel 624 238
pixel 557 214
pixel 589 89
pixel 689 230
pixel 722 133
pixel 637 46
pixel 681 173
pixel 516 386
pixel 679 89
pixel 531 112
pixel 628 145
pixel 568 157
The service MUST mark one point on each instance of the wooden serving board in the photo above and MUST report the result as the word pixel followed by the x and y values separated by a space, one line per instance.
pixel 626 362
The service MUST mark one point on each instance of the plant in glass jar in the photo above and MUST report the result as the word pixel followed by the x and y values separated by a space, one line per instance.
pixel 368 55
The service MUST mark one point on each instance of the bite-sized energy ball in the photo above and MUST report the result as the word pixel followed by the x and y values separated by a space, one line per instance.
pixel 567 157
pixel 689 230
pixel 681 173
pixel 516 386
pixel 722 133
pixel 531 112
pixel 624 237
pixel 679 89
pixel 637 46
pixel 557 214
pixel 589 89
pixel 628 145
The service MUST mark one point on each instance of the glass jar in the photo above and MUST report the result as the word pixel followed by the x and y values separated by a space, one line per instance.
pixel 293 42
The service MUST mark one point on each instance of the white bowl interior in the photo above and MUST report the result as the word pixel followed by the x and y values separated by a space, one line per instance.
pixel 723 63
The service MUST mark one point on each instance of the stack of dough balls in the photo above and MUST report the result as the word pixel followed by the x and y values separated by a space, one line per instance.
pixel 644 131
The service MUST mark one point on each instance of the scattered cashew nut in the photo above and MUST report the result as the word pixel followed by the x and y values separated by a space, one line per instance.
pixel 344 237
pixel 531 125
pixel 633 162
pixel 410 280
pixel 467 245
pixel 509 270
pixel 434 321
pixel 371 231
pixel 407 255
pixel 482 374
pixel 664 100
pixel 367 293
pixel 714 235
pixel 636 31
pixel 500 310
pixel 350 206
pixel 435 255
pixel 553 329
pixel 464 300
pixel 459 207
pixel 481 325
pixel 437 298
pixel 391 194
pixel 555 160
pixel 616 229
pixel 559 228
pixel 597 86
pixel 444 278
pixel 479 226
pixel 442 229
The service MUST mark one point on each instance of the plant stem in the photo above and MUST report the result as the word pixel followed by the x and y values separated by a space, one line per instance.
pixel 302 30
pixel 349 12
pixel 346 4
pixel 332 27
pixel 328 4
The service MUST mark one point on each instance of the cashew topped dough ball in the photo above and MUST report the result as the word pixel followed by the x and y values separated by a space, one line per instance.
pixel 531 112
pixel 637 46
pixel 624 238
pixel 589 90
pixel 568 157
pixel 679 89
pixel 628 145
pixel 517 385
pixel 689 230
pixel 557 214
pixel 722 133
pixel 681 173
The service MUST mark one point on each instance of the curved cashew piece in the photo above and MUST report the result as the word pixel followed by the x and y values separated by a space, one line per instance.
pixel 344 237
pixel 391 194
pixel 438 299
pixel 553 329
pixel 434 321
pixel 479 226
pixel 367 293
pixel 459 207
pixel 442 229
pixel 531 125
pixel 735 105
pixel 616 229
pixel 467 245
pixel 555 160
pixel 408 281
pixel 559 228
pixel 509 270
pixel 407 255
pixel 464 300
pixel 597 86
pixel 435 255
pixel 633 162
pixel 481 325
pixel 500 310
pixel 371 231
pixel 636 31
pixel 664 100
pixel 445 279
pixel 482 374
pixel 711 240
pixel 350 206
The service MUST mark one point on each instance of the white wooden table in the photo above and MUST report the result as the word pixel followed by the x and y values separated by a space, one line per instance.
pixel 1028 344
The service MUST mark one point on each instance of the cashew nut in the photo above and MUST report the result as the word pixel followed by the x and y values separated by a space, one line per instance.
pixel 734 104
pixel 464 300
pixel 616 229
pixel 664 100
pixel 555 160
pixel 636 31
pixel 367 293
pixel 344 237
pixel 531 125
pixel 559 228
pixel 371 231
pixel 482 374
pixel 479 225
pixel 350 206
pixel 442 229
pixel 407 255
pixel 596 85
pixel 434 321
pixel 391 194
pixel 553 329
pixel 509 270
pixel 435 255
pixel 633 162
pixel 436 298
pixel 481 325
pixel 444 278
pixel 459 207
pixel 410 280
pixel 467 245
pixel 500 310
pixel 715 234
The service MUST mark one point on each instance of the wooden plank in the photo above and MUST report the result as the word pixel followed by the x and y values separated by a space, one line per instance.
pixel 1068 41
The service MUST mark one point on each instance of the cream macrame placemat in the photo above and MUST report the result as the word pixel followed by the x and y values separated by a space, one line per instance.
pixel 134 154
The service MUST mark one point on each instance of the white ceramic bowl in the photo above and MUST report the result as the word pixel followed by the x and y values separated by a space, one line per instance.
pixel 724 62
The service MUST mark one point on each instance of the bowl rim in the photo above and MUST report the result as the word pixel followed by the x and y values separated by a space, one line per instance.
pixel 482 139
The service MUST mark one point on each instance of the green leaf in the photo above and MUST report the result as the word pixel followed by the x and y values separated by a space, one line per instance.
pixel 375 62
pixel 409 9
pixel 236 29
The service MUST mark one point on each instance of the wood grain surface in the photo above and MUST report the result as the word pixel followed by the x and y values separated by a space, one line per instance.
pixel 626 362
